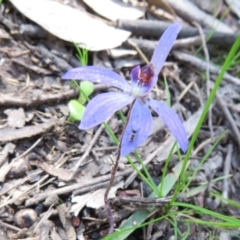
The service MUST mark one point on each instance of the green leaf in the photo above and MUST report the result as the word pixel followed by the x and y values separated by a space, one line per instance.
pixel 76 110
pixel 86 87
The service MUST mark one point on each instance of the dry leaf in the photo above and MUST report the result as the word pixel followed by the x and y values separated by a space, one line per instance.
pixel 8 148
pixel 97 199
pixel 212 164
pixel 71 24
pixel 114 10
pixel 235 6
pixel 94 200
pixel 16 117
pixel 70 231
pixel 61 173
pixel 118 53
pixel 54 235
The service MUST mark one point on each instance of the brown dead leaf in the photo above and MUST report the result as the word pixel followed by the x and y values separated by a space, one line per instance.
pixel 61 173
pixel 16 117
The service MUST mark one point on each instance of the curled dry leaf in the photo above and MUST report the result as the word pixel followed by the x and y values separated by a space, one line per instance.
pixel 71 24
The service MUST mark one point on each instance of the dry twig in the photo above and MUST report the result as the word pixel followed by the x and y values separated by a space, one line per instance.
pixel 202 65
pixel 229 118
pixel 206 53
pixel 226 171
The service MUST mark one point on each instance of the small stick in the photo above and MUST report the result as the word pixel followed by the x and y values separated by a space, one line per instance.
pixel 144 58
pixel 200 64
pixel 206 53
pixel 183 86
pixel 185 91
pixel 96 186
pixel 141 202
pixel 84 186
pixel 114 170
pixel 152 28
pixel 188 11
pixel 88 150
pixel 227 167
pixel 8 100
pixel 229 118
pixel 207 142
pixel 10 226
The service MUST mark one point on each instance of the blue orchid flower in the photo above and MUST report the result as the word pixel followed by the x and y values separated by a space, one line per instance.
pixel 143 79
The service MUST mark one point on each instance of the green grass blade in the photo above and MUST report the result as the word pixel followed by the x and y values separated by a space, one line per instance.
pixel 141 215
pixel 224 68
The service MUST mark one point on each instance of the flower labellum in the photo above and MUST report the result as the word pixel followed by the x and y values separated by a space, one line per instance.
pixel 143 79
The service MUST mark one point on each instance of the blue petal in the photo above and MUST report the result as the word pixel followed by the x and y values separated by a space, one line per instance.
pixel 164 46
pixel 138 128
pixel 172 121
pixel 135 74
pixel 98 75
pixel 102 107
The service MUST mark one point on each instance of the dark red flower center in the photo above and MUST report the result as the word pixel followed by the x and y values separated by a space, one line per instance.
pixel 145 74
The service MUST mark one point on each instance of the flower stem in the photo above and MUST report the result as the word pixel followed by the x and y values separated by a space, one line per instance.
pixel 114 170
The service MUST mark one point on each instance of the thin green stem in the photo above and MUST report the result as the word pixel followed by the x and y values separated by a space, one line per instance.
pixel 150 181
pixel 165 169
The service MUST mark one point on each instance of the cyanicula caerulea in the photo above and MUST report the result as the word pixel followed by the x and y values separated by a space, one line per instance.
pixel 143 79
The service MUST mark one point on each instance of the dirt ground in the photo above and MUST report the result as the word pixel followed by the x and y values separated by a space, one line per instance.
pixel 52 174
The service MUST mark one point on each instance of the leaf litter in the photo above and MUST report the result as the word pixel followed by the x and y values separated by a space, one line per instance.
pixel 39 151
